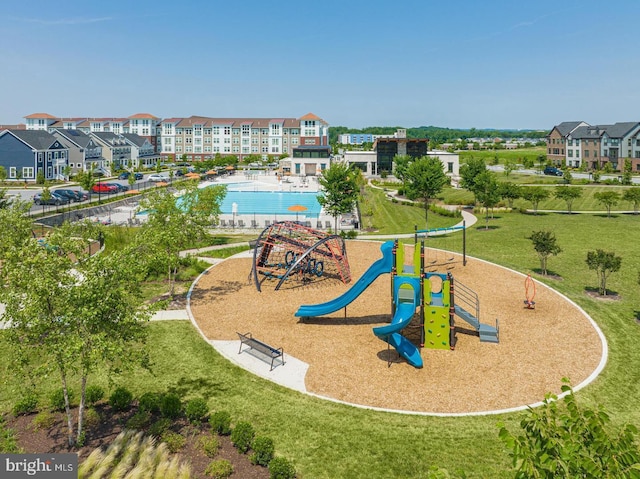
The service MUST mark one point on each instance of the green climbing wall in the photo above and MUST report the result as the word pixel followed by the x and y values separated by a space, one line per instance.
pixel 436 317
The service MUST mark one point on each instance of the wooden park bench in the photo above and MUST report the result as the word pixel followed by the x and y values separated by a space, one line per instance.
pixel 263 348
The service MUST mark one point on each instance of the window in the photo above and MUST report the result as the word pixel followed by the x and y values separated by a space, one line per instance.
pixel 294 141
pixel 265 149
pixel 275 149
pixel 216 130
pixel 586 153
pixel 309 132
pixel 12 172
pixel 207 131
pixel 450 167
pixel 188 131
pixel 236 149
pixel 245 130
pixel 309 141
pixel 275 141
pixel 295 131
pixel 255 131
pixel 227 149
pixel 227 140
pixel 570 153
pixel 178 139
pixel 236 131
pixel 577 153
pixel 188 140
pixel 245 149
pixel 207 139
pixel 254 141
pixel 227 130
pixel 178 149
pixel 254 149
pixel 198 141
pixel 264 131
pixel 265 141
pixel 245 141
pixel 285 131
pixel 216 149
pixel 188 149
pixel 235 140
pixel 197 149
pixel 216 140
pixel 297 169
pixel 275 130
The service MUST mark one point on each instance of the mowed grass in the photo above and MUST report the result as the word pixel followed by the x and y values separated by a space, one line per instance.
pixel 327 440
pixel 515 155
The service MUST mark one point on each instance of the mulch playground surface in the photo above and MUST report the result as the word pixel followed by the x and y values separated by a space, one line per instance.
pixel 347 362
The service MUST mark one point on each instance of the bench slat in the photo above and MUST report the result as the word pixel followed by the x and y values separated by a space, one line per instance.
pixel 264 348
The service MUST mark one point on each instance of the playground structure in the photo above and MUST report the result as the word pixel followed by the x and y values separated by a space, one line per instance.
pixel 443 257
pixel 529 292
pixel 288 250
pixel 413 290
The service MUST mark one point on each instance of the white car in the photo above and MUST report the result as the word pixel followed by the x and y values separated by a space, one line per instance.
pixel 155 177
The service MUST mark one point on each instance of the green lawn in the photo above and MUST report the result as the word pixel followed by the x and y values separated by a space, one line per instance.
pixel 516 155
pixel 327 440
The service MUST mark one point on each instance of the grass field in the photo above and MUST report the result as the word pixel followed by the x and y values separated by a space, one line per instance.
pixel 516 155
pixel 327 440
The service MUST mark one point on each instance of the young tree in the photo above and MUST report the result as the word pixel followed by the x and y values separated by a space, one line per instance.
pixel 632 195
pixel 425 179
pixel 608 199
pixel 401 165
pixel 173 225
pixel 86 180
pixel 604 263
pixel 568 194
pixel 131 180
pixel 71 311
pixel 535 194
pixel 487 192
pixel 626 172
pixel 545 245
pixel 469 171
pixel 562 440
pixel 340 190
pixel 16 226
pixel 3 174
pixel 510 166
pixel 510 192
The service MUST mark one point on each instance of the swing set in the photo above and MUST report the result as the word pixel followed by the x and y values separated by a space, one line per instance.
pixel 529 292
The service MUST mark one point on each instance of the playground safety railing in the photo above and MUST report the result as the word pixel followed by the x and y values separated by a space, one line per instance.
pixel 468 298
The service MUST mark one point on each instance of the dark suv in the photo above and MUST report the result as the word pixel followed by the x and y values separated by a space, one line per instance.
pixel 553 171
pixel 74 195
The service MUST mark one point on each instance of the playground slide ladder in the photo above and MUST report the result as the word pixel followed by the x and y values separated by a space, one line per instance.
pixel 467 307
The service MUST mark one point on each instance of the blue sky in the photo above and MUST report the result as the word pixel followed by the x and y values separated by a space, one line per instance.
pixel 457 63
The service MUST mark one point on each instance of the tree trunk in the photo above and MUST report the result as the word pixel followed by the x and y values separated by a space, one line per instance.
pixel 486 218
pixel 67 407
pixel 426 213
pixel 543 265
pixel 83 387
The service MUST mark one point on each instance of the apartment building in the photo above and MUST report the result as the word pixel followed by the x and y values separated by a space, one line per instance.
pixel 198 138
pixel 25 154
pixel 578 144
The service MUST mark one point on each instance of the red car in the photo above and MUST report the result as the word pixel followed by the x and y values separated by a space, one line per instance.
pixel 103 188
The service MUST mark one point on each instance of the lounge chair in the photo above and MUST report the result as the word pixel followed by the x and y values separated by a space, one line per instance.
pixel 223 223
pixel 254 224
pixel 240 224
pixel 327 224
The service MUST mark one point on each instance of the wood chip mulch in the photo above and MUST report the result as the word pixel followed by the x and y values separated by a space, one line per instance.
pixel 347 362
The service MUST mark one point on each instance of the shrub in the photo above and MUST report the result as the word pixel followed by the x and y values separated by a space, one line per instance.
pixel 120 399
pixel 196 410
pixel 159 427
pixel 220 422
pixel 242 436
pixel 91 417
pixel 173 440
pixel 150 402
pixel 43 420
pixel 281 468
pixel 210 445
pixel 26 405
pixel 139 420
pixel 8 440
pixel 56 399
pixel 93 394
pixel 263 450
pixel 219 469
pixel 170 405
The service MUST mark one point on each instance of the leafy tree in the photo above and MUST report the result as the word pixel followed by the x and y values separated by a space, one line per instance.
pixel 86 179
pixel 340 186
pixel 401 165
pixel 542 161
pixel 45 196
pixel 71 312
pixel 426 178
pixel 3 174
pixel 565 439
pixel 4 199
pixel 608 199
pixel 173 225
pixel 487 192
pixel 510 191
pixel 596 176
pixel 568 194
pixel 15 224
pixel 545 245
pixel 131 180
pixel 567 176
pixel 626 172
pixel 510 166
pixel 469 171
pixel 535 194
pixel 632 195
pixel 604 263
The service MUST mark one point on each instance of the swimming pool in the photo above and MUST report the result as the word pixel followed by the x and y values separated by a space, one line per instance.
pixel 269 202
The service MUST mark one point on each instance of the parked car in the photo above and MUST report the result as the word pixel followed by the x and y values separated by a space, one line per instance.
pixel 125 175
pixel 553 171
pixel 119 188
pixel 55 199
pixel 103 188
pixel 178 173
pixel 73 195
pixel 155 177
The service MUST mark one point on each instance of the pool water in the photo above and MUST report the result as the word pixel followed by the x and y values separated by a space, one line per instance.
pixel 269 202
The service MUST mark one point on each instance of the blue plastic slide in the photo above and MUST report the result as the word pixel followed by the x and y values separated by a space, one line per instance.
pixel 383 265
pixel 391 333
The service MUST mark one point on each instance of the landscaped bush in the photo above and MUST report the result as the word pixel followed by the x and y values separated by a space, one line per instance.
pixel 150 402
pixel 220 423
pixel 56 399
pixel 159 427
pixel 120 399
pixel 170 405
pixel 263 450
pixel 93 394
pixel 26 405
pixel 242 436
pixel 8 441
pixel 139 420
pixel 281 468
pixel 91 417
pixel 219 469
pixel 196 410
pixel 43 420
pixel 210 445
pixel 173 440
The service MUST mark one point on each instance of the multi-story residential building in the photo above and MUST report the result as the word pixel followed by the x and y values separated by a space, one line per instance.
pixel 26 153
pixel 578 144
pixel 116 150
pixel 85 154
pixel 200 138
pixel 143 153
pixel 356 138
